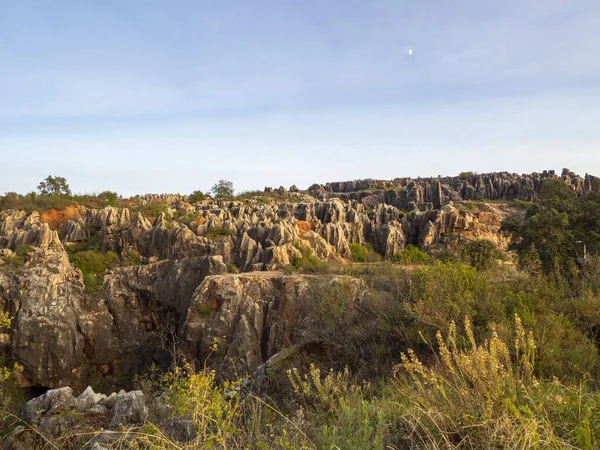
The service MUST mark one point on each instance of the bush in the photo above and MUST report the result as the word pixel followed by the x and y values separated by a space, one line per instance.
pixel 359 252
pixel 134 258
pixel 308 263
pixel 11 396
pixel 109 198
pixel 521 204
pixel 196 196
pixel 481 254
pixel 93 263
pixel 412 255
pixel 339 408
pixel 15 262
pixel 362 253
pixel 199 413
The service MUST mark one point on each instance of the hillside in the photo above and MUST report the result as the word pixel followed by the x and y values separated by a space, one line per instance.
pixel 169 295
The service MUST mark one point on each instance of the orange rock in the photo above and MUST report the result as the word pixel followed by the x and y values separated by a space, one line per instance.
pixel 304 226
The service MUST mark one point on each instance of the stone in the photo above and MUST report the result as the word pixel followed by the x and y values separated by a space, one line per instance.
pixel 51 402
pixel 251 317
pixel 129 408
pixel 87 399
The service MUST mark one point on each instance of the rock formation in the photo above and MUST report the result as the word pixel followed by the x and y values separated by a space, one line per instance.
pixel 60 329
pixel 237 322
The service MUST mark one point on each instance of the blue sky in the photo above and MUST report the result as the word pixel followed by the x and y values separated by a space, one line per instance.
pixel 156 96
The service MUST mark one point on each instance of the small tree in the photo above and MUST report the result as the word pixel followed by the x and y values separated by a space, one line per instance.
pixel 481 254
pixel 54 186
pixel 196 196
pixel 109 198
pixel 223 188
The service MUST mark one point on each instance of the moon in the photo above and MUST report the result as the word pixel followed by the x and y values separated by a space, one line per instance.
pixel 409 52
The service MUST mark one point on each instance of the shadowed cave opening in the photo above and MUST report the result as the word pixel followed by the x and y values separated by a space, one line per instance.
pixel 34 391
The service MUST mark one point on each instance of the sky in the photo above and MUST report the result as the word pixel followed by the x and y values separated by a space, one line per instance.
pixel 154 96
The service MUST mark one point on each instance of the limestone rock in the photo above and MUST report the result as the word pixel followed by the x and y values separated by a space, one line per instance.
pixel 88 399
pixel 46 298
pixel 253 316
pixel 128 408
pixel 52 402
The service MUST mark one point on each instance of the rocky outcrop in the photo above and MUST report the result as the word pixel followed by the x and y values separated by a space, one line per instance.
pixel 58 327
pixel 18 228
pixel 432 193
pixel 52 412
pixel 237 322
pixel 46 298
pixel 141 301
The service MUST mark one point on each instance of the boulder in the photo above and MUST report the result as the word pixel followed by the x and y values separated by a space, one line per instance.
pixel 44 406
pixel 128 408
pixel 251 317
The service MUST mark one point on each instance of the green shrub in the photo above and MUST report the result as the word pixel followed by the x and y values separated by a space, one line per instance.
pixel 412 255
pixel 92 264
pixel 12 399
pixel 481 254
pixel 486 396
pixel 152 208
pixel 89 261
pixel 340 409
pixel 15 262
pixel 359 252
pixel 521 204
pixel 363 253
pixel 308 262
pixel 196 196
pixel 108 198
pixel 134 258
pixel 23 250
pixel 445 255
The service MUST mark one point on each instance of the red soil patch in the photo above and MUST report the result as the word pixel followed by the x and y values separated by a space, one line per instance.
pixel 304 226
pixel 56 217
